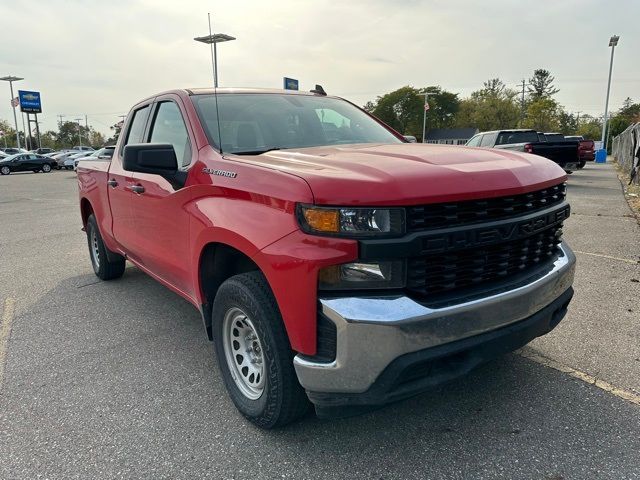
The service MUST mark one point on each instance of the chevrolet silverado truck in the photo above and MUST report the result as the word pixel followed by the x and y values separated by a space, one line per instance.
pixel 333 262
pixel 564 152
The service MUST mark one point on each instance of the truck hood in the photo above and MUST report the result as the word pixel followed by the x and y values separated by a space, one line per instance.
pixel 406 174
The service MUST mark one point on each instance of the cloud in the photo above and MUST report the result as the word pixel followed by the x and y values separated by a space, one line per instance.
pixel 99 58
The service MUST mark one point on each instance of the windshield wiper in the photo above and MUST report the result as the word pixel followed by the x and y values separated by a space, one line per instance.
pixel 256 152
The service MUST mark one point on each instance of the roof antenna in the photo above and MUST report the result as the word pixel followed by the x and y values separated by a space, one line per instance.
pixel 215 83
pixel 319 90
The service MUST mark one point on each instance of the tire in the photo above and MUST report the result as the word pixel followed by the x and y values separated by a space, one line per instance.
pixel 46 168
pixel 245 311
pixel 582 164
pixel 5 170
pixel 104 268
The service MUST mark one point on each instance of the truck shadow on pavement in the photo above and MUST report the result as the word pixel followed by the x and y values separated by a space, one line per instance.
pixel 123 370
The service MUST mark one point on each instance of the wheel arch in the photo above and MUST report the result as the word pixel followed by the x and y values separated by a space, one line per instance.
pixel 86 209
pixel 218 262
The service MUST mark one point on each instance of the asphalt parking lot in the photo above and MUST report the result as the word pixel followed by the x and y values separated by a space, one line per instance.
pixel 117 380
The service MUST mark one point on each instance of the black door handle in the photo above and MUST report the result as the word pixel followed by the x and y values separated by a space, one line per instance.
pixel 137 188
pixel 112 183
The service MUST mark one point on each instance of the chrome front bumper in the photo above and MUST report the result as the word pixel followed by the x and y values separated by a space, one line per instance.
pixel 374 331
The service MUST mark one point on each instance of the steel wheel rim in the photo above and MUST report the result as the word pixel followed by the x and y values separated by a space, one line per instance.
pixel 95 252
pixel 243 353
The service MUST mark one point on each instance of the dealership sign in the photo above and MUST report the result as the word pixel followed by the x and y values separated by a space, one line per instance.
pixel 29 101
pixel 290 84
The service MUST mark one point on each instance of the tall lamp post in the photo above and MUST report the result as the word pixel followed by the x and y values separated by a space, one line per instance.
pixel 613 41
pixel 11 79
pixel 213 40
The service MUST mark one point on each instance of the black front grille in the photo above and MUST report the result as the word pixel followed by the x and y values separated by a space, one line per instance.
pixel 433 275
pixel 445 215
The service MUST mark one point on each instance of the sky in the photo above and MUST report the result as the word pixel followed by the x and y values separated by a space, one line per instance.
pixel 98 57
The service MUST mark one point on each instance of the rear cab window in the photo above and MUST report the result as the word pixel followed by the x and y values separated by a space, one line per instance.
pixel 488 140
pixel 475 141
pixel 136 126
pixel 506 138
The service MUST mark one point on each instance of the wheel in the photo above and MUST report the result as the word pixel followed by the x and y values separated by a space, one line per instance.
pixel 5 170
pixel 104 268
pixel 254 356
pixel 46 168
pixel 582 164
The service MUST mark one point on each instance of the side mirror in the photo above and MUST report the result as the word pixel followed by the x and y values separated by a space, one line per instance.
pixel 410 138
pixel 155 158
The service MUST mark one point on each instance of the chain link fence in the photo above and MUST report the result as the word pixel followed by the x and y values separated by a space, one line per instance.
pixel 626 149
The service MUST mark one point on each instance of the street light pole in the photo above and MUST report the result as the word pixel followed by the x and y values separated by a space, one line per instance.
pixel 613 41
pixel 11 79
pixel 213 40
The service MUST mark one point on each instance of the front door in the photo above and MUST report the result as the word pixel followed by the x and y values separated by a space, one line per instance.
pixel 159 208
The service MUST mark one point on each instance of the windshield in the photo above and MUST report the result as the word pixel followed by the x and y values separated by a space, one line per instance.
pixel 254 123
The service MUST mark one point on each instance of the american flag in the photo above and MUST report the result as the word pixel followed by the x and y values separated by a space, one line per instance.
pixel 15 102
pixel 426 104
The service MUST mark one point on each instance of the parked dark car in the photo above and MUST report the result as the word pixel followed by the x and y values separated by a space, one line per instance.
pixel 563 153
pixel 25 162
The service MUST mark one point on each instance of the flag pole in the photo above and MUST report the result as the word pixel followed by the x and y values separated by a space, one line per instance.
pixel 424 116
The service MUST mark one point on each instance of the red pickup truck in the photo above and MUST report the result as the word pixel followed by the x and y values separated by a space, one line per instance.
pixel 333 263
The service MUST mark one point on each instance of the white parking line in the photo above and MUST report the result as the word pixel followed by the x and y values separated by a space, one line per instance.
pixel 627 395
pixel 626 260
pixel 5 332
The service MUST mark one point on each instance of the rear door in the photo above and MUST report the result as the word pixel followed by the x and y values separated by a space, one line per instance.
pixel 119 183
pixel 160 210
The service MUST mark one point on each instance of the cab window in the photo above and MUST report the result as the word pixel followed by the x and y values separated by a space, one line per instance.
pixel 169 127
pixel 136 128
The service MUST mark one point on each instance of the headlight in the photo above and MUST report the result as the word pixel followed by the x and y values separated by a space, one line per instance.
pixel 355 276
pixel 352 222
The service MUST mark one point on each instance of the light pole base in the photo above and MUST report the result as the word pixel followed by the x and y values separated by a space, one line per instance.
pixel 601 156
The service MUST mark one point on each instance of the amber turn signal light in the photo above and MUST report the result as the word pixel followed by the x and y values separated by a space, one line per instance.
pixel 322 219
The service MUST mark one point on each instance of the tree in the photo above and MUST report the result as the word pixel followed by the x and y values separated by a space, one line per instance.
pixel 403 109
pixel 590 128
pixel 7 135
pixel 542 115
pixel 541 85
pixel 567 122
pixel 493 107
pixel 369 107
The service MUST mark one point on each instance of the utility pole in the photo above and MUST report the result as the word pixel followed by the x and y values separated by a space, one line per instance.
pixel 524 84
pixel 60 117
pixel 79 131
pixel 38 131
pixel 578 119
pixel 86 126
